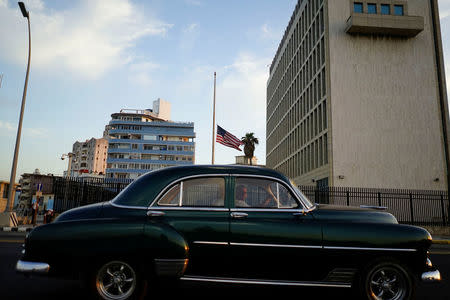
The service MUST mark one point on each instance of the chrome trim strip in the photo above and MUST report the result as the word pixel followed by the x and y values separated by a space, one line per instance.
pixel 218 209
pixel 374 207
pixel 32 267
pixel 181 194
pixel 368 249
pixel 126 206
pixel 181 179
pixel 211 243
pixel 276 245
pixel 287 210
pixel 171 267
pixel 266 282
pixel 431 276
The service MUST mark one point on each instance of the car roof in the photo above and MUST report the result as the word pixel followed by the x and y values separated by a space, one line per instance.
pixel 138 192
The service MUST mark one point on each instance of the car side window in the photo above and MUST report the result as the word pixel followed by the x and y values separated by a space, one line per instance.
pixel 198 192
pixel 171 197
pixel 262 193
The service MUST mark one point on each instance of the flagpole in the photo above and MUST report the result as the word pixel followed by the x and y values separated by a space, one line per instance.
pixel 214 120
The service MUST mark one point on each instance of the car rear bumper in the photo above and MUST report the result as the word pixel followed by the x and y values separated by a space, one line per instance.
pixel 31 267
pixel 431 276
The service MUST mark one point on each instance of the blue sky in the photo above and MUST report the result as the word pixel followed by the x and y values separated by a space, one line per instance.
pixel 90 58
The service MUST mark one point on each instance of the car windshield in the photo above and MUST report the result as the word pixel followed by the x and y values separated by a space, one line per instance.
pixel 302 196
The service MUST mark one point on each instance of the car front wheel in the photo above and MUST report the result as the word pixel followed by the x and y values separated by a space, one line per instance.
pixel 387 281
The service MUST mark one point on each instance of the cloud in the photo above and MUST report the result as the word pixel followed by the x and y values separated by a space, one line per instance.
pixel 6 126
pixel 88 39
pixel 190 28
pixel 241 100
pixel 36 132
pixel 444 8
pixel 193 2
pixel 140 73
pixel 244 87
pixel 268 33
pixel 9 129
pixel 189 36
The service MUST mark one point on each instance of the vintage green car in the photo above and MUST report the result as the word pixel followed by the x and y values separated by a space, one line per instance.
pixel 228 224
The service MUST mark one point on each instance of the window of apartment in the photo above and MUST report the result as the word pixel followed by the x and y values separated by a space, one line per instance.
pixel 358 7
pixel 150 137
pixel 385 9
pixel 371 8
pixel 134 146
pixel 398 10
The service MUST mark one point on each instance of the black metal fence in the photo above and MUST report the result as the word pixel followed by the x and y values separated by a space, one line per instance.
pixel 417 207
pixel 78 191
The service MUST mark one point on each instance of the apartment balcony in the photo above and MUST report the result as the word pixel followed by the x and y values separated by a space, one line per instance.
pixel 391 25
pixel 154 123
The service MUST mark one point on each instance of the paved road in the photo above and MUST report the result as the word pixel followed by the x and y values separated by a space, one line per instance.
pixel 16 286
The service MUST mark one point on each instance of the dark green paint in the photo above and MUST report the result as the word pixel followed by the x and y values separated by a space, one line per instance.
pixel 82 236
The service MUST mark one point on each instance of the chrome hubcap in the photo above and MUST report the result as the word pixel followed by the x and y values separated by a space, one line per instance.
pixel 116 280
pixel 387 283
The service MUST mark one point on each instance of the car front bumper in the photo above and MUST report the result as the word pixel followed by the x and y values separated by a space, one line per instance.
pixel 31 267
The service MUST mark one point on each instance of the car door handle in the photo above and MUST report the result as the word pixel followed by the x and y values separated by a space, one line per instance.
pixel 152 213
pixel 238 215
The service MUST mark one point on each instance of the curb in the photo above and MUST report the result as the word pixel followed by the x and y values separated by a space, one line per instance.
pixel 16 229
pixel 441 242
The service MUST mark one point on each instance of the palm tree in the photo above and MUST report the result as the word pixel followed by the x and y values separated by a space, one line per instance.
pixel 249 141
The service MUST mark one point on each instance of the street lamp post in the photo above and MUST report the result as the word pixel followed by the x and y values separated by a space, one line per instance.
pixel 69 157
pixel 25 14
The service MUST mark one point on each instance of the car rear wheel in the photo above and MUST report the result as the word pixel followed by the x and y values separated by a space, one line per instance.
pixel 387 280
pixel 118 280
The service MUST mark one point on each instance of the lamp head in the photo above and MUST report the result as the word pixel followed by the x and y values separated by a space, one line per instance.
pixel 23 10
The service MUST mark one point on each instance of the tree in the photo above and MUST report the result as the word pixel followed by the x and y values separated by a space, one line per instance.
pixel 249 141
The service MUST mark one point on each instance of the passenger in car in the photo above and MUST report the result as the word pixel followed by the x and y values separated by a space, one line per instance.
pixel 241 196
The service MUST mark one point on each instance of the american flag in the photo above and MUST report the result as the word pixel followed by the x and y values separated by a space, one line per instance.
pixel 225 138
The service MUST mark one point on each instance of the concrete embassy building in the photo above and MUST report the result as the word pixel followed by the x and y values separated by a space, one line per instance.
pixel 356 96
pixel 89 157
pixel 145 140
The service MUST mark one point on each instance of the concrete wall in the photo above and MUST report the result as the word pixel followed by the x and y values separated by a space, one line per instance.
pixel 384 106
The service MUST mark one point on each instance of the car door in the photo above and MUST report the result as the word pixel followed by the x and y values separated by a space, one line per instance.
pixel 271 235
pixel 196 208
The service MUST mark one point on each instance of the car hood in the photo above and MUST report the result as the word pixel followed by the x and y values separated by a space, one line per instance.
pixel 336 213
pixel 91 211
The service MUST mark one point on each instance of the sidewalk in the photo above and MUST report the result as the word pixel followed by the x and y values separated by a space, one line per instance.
pixel 442 240
pixel 20 228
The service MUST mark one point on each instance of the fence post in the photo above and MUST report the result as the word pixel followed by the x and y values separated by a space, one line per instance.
pixel 411 207
pixel 379 199
pixel 118 188
pixel 84 195
pixel 348 198
pixel 443 210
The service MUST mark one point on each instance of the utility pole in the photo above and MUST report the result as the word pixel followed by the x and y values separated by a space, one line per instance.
pixel 12 180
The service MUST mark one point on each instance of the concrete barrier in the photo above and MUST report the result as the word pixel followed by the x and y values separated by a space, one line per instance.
pixel 8 219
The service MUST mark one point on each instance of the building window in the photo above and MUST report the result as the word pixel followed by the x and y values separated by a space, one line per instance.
pixel 358 7
pixel 372 8
pixel 150 137
pixel 398 10
pixel 385 9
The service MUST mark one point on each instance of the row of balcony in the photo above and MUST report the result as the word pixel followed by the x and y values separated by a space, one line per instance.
pixel 153 124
